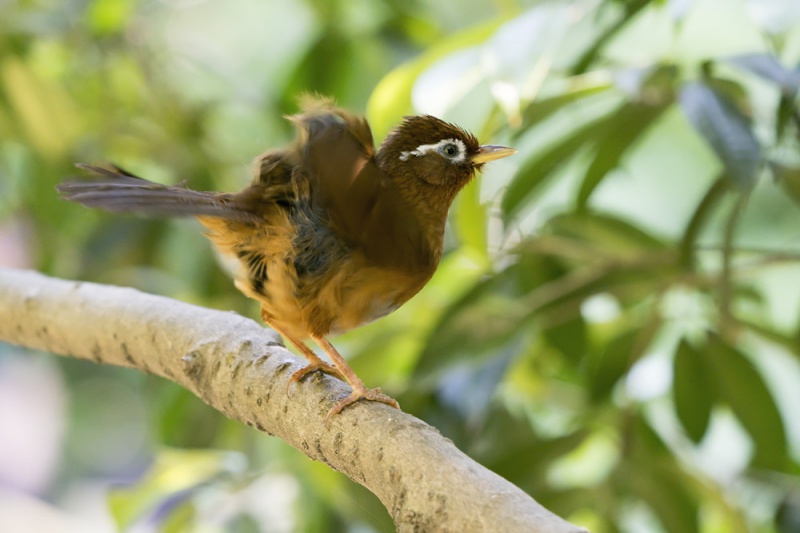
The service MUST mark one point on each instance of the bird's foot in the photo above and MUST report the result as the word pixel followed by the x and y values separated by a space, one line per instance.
pixel 373 395
pixel 318 365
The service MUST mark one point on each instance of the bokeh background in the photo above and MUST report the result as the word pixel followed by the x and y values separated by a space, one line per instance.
pixel 615 326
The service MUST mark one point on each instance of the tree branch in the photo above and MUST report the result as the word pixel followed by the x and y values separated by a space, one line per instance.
pixel 241 369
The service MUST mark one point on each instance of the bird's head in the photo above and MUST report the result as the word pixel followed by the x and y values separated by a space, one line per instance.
pixel 437 153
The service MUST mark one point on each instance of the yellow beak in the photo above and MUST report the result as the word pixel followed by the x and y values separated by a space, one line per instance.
pixel 490 152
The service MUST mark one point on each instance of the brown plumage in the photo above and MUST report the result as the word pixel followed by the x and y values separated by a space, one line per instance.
pixel 330 234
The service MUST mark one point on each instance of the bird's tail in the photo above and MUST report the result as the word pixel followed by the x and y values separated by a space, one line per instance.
pixel 115 189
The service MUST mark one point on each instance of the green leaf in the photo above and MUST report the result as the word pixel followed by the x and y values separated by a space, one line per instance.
pixel 739 384
pixel 539 110
pixel 535 170
pixel 622 131
pixel 692 396
pixel 727 131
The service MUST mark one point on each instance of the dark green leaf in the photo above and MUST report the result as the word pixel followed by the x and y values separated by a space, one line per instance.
pixel 692 396
pixel 607 364
pixel 739 384
pixel 790 343
pixel 789 179
pixel 605 231
pixel 653 476
pixel 509 446
pixel 768 67
pixel 698 220
pixel 485 318
pixel 632 8
pixel 622 131
pixel 468 388
pixel 787 518
pixel 727 131
pixel 786 114
pixel 569 337
pixel 663 489
pixel 542 165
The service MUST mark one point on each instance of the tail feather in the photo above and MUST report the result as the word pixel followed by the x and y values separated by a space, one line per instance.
pixel 117 190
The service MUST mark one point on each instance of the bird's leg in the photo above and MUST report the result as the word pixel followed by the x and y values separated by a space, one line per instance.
pixel 314 362
pixel 359 389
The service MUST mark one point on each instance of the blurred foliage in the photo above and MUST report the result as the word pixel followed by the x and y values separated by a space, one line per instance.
pixel 615 326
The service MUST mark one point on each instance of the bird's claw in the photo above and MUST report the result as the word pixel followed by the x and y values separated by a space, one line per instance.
pixel 373 395
pixel 321 366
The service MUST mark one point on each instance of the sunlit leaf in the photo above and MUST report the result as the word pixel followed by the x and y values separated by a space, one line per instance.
pixel 726 130
pixel 391 98
pixel 44 110
pixel 179 519
pixel 470 219
pixel 742 387
pixel 692 395
pixel 173 473
pixel 109 16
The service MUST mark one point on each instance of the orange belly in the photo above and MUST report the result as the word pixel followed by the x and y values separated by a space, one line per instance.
pixel 341 295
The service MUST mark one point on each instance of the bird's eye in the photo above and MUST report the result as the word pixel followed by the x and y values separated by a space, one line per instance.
pixel 450 150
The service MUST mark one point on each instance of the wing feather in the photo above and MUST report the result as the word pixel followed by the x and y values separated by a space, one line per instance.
pixel 362 202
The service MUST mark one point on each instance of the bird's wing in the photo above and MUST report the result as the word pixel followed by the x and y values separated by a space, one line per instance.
pixel 336 151
pixel 338 154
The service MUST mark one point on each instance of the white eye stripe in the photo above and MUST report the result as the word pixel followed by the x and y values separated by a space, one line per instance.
pixel 425 148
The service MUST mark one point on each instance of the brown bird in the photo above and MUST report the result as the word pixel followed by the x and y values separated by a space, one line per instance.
pixel 331 234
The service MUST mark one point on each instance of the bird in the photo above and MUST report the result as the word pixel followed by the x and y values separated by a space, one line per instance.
pixel 331 233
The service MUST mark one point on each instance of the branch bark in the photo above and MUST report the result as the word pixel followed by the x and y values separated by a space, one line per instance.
pixel 242 369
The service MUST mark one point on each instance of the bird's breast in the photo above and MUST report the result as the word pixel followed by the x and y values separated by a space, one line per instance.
pixel 359 293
